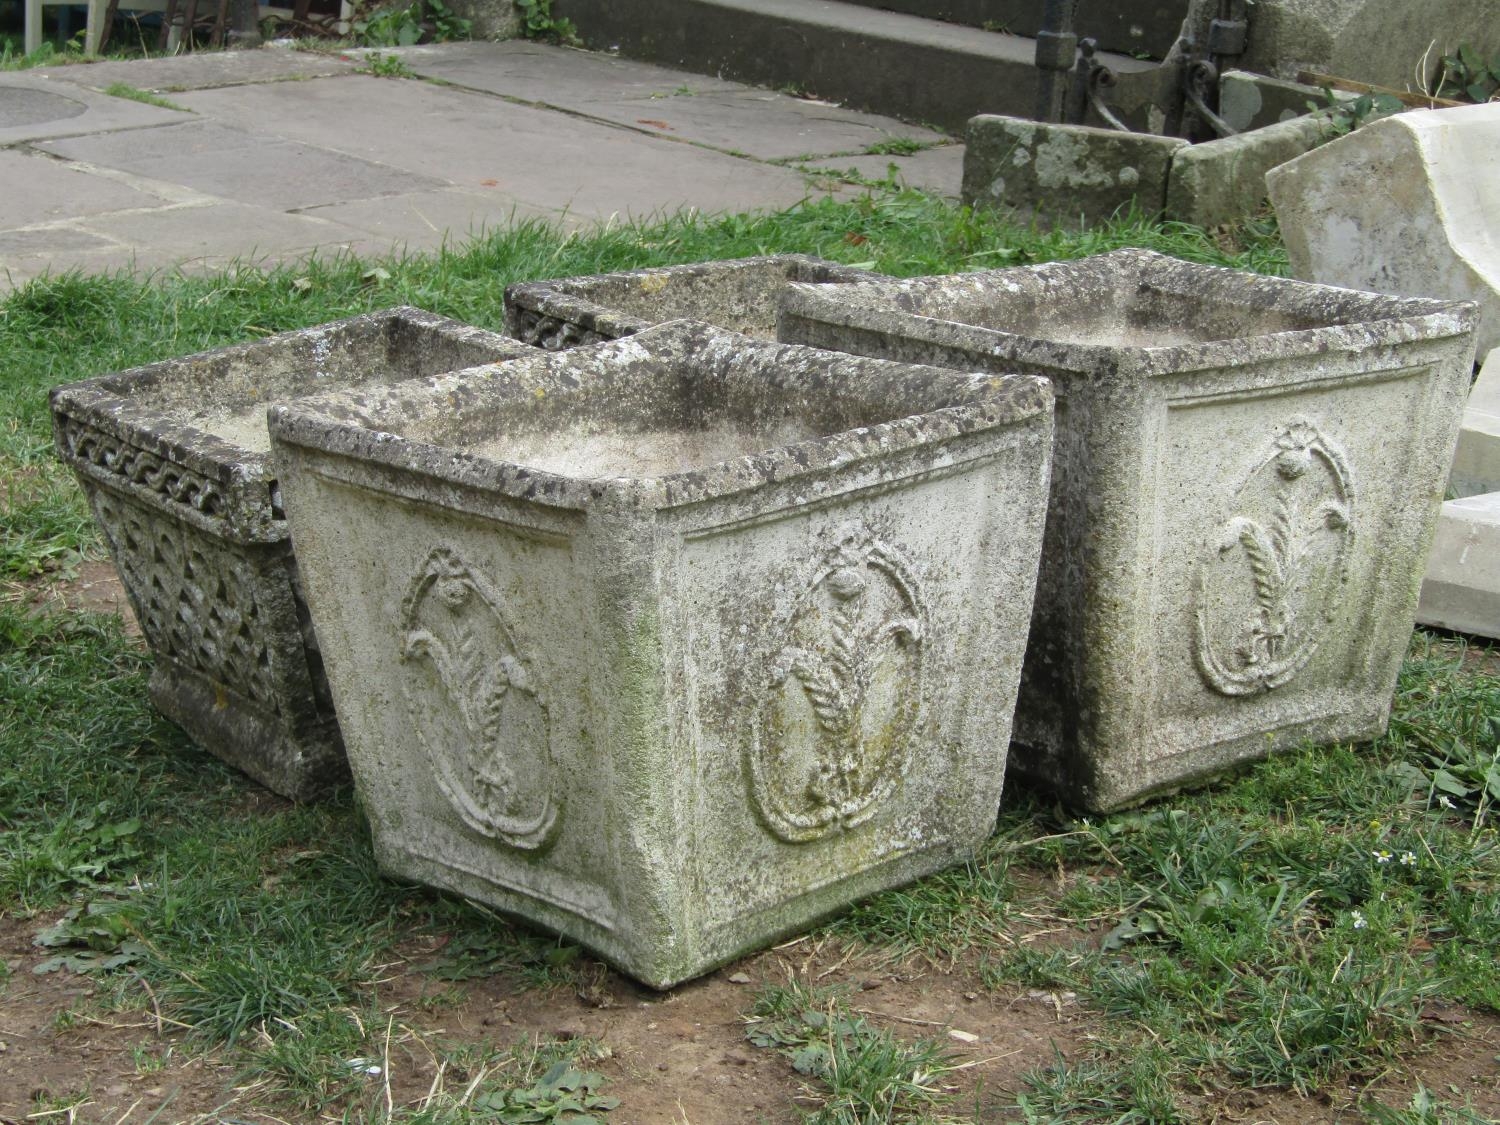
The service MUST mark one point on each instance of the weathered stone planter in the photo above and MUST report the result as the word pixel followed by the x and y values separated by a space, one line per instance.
pixel 739 294
pixel 174 459
pixel 1246 479
pixel 678 643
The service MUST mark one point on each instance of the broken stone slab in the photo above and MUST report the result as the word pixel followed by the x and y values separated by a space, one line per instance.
pixel 1476 461
pixel 1236 531
pixel 1462 588
pixel 174 459
pixel 1070 172
pixel 1407 204
pixel 738 294
pixel 678 643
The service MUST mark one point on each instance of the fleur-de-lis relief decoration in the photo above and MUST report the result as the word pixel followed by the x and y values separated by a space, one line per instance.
pixel 476 710
pixel 841 706
pixel 1291 540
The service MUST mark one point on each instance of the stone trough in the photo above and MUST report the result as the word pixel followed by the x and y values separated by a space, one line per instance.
pixel 1246 480
pixel 738 294
pixel 678 643
pixel 174 460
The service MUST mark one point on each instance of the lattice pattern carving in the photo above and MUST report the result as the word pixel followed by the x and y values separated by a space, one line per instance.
pixel 551 332
pixel 197 604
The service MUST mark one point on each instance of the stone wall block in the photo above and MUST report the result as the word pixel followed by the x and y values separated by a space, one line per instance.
pixel 1066 172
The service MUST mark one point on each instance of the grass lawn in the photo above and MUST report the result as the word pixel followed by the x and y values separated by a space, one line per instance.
pixel 1315 939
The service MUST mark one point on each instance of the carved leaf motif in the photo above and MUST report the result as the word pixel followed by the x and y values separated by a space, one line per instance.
pixel 861 613
pixel 1297 556
pixel 495 770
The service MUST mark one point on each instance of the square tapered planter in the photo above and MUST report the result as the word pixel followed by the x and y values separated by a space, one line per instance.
pixel 1246 478
pixel 739 294
pixel 678 643
pixel 174 458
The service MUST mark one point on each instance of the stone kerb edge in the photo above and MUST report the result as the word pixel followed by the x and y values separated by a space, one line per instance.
pixel 1208 183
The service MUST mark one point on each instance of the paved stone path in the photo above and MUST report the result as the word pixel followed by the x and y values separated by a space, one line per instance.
pixel 277 153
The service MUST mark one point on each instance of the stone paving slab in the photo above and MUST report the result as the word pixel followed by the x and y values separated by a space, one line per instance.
pixel 265 167
pixel 728 116
pixel 542 157
pixel 219 231
pixel 936 170
pixel 39 189
pixel 42 117
pixel 425 218
pixel 238 164
pixel 203 70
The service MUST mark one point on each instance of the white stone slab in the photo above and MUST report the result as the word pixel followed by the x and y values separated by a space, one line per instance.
pixel 1476 462
pixel 1462 588
pixel 1406 205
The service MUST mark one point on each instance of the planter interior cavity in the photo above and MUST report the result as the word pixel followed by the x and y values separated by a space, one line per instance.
pixel 1246 478
pixel 174 458
pixel 738 294
pixel 678 643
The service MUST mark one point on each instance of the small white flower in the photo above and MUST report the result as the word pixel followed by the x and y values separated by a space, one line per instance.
pixel 1408 859
pixel 1445 801
pixel 1358 919
pixel 1382 856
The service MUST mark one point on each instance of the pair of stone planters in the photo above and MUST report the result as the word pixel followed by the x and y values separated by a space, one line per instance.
pixel 1246 480
pixel 677 643
pixel 174 460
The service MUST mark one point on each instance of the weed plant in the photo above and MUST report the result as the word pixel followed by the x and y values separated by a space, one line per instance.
pixel 1289 928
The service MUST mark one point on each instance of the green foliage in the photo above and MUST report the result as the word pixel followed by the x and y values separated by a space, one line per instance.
pixel 538 22
pixel 12 58
pixel 564 1094
pixel 864 1074
pixel 1287 928
pixel 1467 76
pixel 897 146
pixel 388 66
pixel 132 93
pixel 1425 1108
pixel 423 21
pixel 1344 115
pixel 96 938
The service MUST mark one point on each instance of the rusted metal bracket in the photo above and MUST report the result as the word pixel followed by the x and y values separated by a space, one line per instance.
pixel 1184 90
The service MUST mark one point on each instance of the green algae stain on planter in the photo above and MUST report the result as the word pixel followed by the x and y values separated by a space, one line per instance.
pixel 726 568
pixel 1235 535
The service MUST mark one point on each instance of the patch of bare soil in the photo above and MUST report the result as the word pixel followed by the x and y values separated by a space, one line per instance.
pixel 92 586
pixel 679 1057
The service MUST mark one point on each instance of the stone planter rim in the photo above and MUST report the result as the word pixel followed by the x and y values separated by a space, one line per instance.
pixel 251 512
pixel 569 298
pixel 1375 319
pixel 367 428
